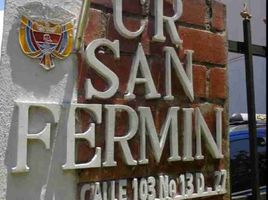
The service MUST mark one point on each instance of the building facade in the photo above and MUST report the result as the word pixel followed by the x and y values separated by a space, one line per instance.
pixel 139 112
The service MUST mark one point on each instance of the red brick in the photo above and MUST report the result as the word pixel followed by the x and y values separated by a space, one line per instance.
pixel 96 26
pixel 106 3
pixel 81 77
pixel 147 37
pixel 84 152
pixel 199 79
pixel 208 47
pixel 218 81
pixel 218 16
pixel 130 6
pixel 190 10
pixel 158 73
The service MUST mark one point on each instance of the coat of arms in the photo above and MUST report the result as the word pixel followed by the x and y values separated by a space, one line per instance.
pixel 45 32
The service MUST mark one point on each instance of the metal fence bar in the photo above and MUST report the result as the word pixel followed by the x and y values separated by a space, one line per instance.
pixel 251 106
pixel 238 47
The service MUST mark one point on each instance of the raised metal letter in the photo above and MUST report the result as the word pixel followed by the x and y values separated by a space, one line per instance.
pixel 141 61
pixel 118 22
pixel 123 140
pixel 185 76
pixel 89 135
pixel 101 69
pixel 169 21
pixel 23 136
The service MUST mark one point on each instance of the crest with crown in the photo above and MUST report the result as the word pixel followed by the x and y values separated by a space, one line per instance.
pixel 45 32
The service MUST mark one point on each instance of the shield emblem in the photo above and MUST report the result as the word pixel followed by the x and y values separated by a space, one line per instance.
pixel 43 36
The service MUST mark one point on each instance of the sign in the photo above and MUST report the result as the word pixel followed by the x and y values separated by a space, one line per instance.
pixel 132 135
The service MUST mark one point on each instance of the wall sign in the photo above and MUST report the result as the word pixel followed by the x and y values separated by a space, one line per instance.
pixel 139 138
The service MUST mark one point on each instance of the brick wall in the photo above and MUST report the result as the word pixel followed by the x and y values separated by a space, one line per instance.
pixel 202 28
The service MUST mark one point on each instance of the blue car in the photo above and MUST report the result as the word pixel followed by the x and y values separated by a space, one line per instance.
pixel 240 156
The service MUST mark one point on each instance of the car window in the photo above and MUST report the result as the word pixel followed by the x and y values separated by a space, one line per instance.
pixel 240 164
pixel 240 148
pixel 240 158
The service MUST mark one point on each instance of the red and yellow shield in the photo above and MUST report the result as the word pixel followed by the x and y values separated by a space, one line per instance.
pixel 45 40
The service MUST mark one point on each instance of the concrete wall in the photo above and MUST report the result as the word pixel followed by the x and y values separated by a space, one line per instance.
pixel 22 78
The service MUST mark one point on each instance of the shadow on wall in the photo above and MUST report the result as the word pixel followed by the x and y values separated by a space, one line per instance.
pixel 46 180
pixel 28 73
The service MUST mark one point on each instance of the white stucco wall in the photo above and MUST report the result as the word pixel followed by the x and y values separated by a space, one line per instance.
pixel 21 78
pixel 1 28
